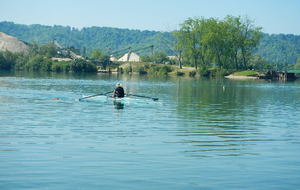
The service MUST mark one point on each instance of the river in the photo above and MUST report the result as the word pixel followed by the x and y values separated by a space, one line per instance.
pixel 201 134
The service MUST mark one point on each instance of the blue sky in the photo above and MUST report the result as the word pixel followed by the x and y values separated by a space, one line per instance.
pixel 275 16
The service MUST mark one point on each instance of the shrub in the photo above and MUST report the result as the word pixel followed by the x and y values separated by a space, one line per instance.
pixel 120 70
pixel 34 63
pixel 179 73
pixel 141 70
pixel 192 73
pixel 128 69
pixel 80 65
pixel 204 71
pixel 46 65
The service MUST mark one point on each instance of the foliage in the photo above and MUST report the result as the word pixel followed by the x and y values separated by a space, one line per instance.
pixel 80 65
pixel 38 60
pixel 222 36
pixel 142 70
pixel 7 60
pixel 279 49
pixel 179 73
pixel 100 59
pixel 226 43
pixel 204 71
pixel 192 73
pixel 61 67
pixel 106 39
pixel 157 57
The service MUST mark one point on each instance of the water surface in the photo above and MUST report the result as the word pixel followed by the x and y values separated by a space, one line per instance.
pixel 203 134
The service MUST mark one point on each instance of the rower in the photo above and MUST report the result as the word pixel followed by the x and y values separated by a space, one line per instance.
pixel 119 91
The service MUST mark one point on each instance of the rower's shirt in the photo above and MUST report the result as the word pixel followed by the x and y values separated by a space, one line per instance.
pixel 119 92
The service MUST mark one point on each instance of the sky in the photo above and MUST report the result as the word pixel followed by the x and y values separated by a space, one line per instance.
pixel 274 16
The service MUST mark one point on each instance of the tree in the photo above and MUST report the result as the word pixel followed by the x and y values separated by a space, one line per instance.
pixel 227 43
pixel 159 57
pixel 7 60
pixel 48 50
pixel 250 36
pixel 100 58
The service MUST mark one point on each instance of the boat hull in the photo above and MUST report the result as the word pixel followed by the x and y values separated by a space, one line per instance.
pixel 125 100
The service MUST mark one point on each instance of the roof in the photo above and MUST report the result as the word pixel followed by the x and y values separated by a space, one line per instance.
pixel 131 57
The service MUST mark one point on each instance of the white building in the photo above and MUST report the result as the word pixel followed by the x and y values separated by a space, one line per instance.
pixel 113 58
pixel 130 57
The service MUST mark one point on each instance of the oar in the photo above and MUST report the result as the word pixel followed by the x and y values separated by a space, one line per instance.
pixel 154 99
pixel 95 95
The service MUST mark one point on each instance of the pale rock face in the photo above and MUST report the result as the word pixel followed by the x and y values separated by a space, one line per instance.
pixel 12 44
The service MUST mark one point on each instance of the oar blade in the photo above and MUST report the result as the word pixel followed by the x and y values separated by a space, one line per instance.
pixel 95 95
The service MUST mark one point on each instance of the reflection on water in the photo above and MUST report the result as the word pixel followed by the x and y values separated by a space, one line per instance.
pixel 210 134
pixel 118 105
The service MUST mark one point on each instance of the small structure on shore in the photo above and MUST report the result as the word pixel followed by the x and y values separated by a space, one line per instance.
pixel 130 57
pixel 113 58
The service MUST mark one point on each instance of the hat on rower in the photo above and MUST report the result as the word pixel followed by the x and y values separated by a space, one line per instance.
pixel 118 84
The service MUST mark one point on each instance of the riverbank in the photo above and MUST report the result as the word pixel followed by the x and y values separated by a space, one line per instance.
pixel 155 69
pixel 242 75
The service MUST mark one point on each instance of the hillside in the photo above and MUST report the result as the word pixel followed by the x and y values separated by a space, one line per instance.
pixel 280 48
pixel 104 38
pixel 12 44
pixel 276 48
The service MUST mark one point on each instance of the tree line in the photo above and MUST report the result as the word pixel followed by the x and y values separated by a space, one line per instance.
pixel 228 43
pixel 46 58
pixel 39 58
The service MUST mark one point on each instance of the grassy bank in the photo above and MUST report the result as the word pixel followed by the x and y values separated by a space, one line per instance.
pixel 247 73
pixel 155 69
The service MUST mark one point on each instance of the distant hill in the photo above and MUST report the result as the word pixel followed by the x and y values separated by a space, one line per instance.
pixel 280 48
pixel 12 44
pixel 276 48
pixel 104 38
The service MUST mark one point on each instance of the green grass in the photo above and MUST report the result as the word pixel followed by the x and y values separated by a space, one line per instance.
pixel 247 73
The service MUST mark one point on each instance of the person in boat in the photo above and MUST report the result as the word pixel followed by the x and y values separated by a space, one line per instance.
pixel 119 91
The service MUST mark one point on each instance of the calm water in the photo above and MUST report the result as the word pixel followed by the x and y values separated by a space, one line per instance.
pixel 204 134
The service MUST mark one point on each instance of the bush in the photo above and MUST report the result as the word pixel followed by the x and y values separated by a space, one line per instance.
pixel 204 71
pixel 61 66
pixel 7 60
pixel 141 70
pixel 21 62
pixel 34 63
pixel 80 65
pixel 192 73
pixel 120 70
pixel 178 73
pixel 56 67
pixel 46 65
pixel 128 69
